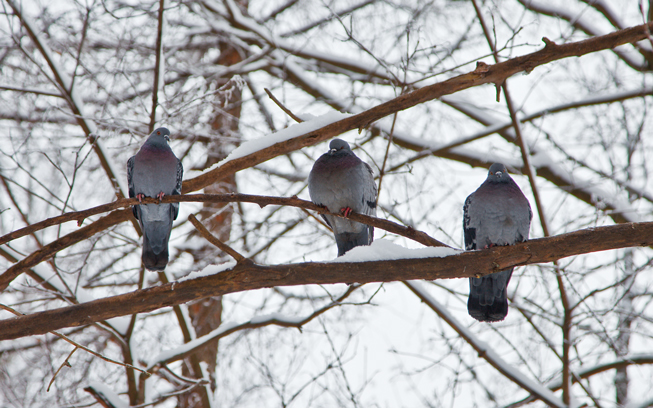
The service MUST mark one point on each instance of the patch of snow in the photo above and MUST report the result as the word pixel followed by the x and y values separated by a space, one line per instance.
pixel 172 353
pixel 109 394
pixel 277 318
pixel 384 250
pixel 209 270
pixel 288 133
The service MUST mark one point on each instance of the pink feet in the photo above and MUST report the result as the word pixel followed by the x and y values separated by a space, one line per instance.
pixel 346 211
pixel 141 196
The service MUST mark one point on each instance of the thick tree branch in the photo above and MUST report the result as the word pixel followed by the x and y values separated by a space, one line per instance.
pixel 484 74
pixel 119 216
pixel 64 242
pixel 249 276
pixel 545 169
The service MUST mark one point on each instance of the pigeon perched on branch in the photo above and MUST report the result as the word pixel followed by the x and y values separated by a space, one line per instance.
pixel 496 214
pixel 343 183
pixel 155 171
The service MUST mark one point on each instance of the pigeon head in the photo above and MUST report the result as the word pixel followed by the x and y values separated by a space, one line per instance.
pixel 160 136
pixel 339 147
pixel 498 173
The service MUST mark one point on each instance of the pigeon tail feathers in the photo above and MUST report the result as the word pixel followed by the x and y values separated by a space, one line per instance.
pixel 156 223
pixel 349 240
pixel 488 301
pixel 151 260
pixel 156 235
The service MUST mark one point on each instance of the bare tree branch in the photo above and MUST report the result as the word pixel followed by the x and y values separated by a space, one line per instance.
pixel 486 352
pixel 215 241
pixel 484 74
pixel 123 215
pixel 249 276
pixel 69 94
pixel 158 67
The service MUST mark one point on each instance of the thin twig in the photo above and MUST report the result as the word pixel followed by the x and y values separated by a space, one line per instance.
pixel 63 82
pixel 484 351
pixel 158 74
pixel 65 363
pixel 226 330
pixel 215 241
pixel 283 108
pixel 77 345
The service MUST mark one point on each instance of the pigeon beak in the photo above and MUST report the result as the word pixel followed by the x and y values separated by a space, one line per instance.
pixel 332 151
pixel 498 173
pixel 166 137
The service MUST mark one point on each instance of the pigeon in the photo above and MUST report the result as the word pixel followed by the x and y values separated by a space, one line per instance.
pixel 154 172
pixel 343 183
pixel 496 214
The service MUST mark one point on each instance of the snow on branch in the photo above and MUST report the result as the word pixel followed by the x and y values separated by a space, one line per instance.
pixel 635 359
pixel 483 74
pixel 486 352
pixel 225 329
pixel 117 217
pixel 249 276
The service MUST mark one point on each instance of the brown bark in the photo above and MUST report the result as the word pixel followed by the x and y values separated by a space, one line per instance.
pixel 64 242
pixel 206 315
pixel 262 201
pixel 483 74
pixel 119 216
pixel 248 276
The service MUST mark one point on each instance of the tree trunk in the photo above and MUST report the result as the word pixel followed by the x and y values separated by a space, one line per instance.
pixel 206 315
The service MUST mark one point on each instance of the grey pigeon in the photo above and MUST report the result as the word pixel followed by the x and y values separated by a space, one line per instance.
pixel 343 183
pixel 497 213
pixel 155 171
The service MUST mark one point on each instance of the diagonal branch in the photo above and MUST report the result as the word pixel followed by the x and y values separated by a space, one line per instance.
pixel 63 82
pixel 636 359
pixel 485 352
pixel 249 276
pixel 119 216
pixel 64 242
pixel 215 241
pixel 224 330
pixel 486 74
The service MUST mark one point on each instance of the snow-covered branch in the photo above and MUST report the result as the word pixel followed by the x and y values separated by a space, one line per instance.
pixel 362 264
pixel 484 351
